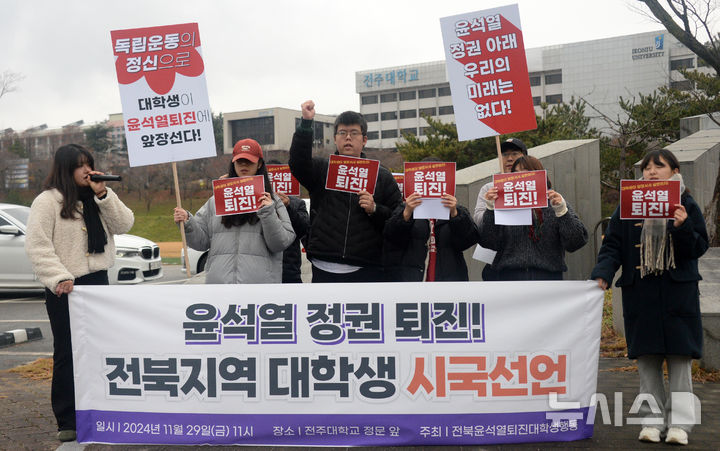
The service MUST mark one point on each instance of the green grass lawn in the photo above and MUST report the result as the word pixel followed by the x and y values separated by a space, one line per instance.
pixel 157 224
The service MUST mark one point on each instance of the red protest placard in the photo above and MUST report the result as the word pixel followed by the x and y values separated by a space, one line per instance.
pixel 648 199
pixel 518 190
pixel 429 179
pixel 488 73
pixel 400 180
pixel 351 174
pixel 238 195
pixel 282 180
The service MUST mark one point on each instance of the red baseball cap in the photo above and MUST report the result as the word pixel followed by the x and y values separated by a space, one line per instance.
pixel 248 149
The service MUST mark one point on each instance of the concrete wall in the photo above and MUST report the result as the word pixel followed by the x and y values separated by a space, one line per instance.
pixel 693 124
pixel 574 170
pixel 699 157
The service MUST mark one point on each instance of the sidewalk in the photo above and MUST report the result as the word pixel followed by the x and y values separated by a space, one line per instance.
pixel 27 422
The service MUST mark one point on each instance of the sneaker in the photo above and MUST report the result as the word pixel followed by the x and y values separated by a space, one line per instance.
pixel 650 434
pixel 67 435
pixel 676 436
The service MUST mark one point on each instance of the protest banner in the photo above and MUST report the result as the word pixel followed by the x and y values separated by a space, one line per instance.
pixel 351 174
pixel 238 195
pixel 518 190
pixel 445 363
pixel 166 110
pixel 165 104
pixel 282 179
pixel 649 199
pixel 429 179
pixel 488 74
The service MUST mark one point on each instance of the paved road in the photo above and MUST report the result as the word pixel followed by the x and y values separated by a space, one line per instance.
pixel 27 310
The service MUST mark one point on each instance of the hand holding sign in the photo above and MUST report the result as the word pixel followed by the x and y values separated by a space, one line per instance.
pixel 680 215
pixel 367 202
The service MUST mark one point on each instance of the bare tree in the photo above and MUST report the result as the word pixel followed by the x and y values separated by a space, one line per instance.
pixel 9 81
pixel 691 22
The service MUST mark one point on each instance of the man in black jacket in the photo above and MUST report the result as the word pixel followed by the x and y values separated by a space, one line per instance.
pixel 345 239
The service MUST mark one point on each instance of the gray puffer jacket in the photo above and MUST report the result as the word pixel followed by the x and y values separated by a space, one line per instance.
pixel 250 253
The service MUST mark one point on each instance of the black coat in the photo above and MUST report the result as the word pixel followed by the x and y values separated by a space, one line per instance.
pixel 406 247
pixel 661 313
pixel 340 230
pixel 292 257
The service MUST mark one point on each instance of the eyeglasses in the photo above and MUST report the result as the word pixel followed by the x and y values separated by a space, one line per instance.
pixel 345 133
pixel 512 154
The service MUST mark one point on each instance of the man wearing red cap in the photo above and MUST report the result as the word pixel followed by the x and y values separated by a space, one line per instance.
pixel 346 229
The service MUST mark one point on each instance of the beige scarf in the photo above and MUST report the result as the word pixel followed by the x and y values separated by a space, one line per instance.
pixel 656 245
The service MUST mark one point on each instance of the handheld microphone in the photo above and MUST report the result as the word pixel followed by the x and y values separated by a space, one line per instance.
pixel 105 178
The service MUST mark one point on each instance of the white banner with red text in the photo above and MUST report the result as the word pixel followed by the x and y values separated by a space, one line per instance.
pixel 449 363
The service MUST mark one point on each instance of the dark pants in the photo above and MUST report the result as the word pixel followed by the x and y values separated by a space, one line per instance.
pixel 366 274
pixel 528 274
pixel 62 394
pixel 489 273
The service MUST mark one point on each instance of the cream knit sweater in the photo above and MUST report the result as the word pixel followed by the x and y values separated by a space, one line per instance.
pixel 58 248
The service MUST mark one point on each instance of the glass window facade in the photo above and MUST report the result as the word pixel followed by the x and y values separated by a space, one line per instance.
pixel 409 131
pixel 446 110
pixel 261 129
pixel 371 117
pixel 407 95
pixel 685 63
pixel 426 93
pixel 369 100
pixel 535 80
pixel 553 79
pixel 443 91
pixel 389 133
pixel 373 135
pixel 428 111
pixel 389 97
pixel 553 98
pixel 388 115
pixel 408 114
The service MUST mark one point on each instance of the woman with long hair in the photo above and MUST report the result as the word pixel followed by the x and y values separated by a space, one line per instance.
pixel 535 251
pixel 661 300
pixel 246 247
pixel 70 242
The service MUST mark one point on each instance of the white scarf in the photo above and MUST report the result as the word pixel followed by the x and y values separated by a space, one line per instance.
pixel 656 245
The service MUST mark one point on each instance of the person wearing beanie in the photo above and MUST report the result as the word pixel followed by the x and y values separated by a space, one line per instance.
pixel 246 247
pixel 536 251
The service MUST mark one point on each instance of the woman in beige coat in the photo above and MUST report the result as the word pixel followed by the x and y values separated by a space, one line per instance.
pixel 70 242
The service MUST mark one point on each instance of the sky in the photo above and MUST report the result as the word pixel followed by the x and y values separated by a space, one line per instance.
pixel 258 54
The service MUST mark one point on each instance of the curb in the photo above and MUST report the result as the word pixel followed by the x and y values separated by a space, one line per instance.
pixel 19 335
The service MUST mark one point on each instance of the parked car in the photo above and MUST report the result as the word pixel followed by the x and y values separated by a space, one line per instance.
pixel 197 259
pixel 136 260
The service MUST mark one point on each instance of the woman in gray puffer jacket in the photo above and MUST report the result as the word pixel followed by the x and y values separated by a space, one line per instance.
pixel 248 247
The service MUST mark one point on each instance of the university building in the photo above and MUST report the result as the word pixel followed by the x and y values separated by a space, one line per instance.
pixel 599 71
pixel 273 128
